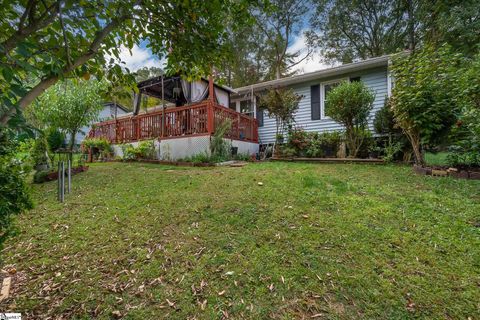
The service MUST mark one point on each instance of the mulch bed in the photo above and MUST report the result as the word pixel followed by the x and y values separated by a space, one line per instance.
pixel 447 172
pixel 54 175
pixel 330 160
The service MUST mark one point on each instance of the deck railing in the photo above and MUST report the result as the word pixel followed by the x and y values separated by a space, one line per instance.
pixel 193 120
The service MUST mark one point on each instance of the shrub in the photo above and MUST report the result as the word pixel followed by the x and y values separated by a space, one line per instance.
pixel 219 147
pixel 55 139
pixel 424 100
pixel 40 152
pixel 146 150
pixel 384 121
pixel 14 193
pixel 101 144
pixel 350 104
pixel 312 144
pixel 129 152
pixel 465 151
pixel 40 176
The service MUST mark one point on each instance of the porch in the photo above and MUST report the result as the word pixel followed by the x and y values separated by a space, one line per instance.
pixel 177 122
pixel 182 126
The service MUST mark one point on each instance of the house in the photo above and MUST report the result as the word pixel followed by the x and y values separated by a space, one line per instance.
pixel 185 122
pixel 314 88
pixel 183 126
pixel 110 110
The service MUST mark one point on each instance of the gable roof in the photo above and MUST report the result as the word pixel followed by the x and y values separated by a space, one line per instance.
pixel 108 104
pixel 310 76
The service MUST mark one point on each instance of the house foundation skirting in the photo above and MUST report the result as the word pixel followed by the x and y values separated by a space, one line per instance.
pixel 181 148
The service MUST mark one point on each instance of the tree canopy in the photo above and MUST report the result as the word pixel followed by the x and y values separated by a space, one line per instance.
pixel 48 40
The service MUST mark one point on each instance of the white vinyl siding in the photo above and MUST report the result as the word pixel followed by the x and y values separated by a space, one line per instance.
pixel 375 79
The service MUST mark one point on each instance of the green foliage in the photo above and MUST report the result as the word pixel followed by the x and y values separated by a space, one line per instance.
pixel 129 152
pixel 40 152
pixel 14 193
pixel 425 95
pixel 219 147
pixel 70 105
pixel 384 121
pixel 350 104
pixel 373 28
pixel 144 150
pixel 101 144
pixel 40 176
pixel 281 104
pixel 312 144
pixel 465 150
pixel 391 149
pixel 55 139
pixel 63 39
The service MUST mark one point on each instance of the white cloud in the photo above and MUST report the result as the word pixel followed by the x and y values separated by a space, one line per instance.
pixel 313 63
pixel 139 58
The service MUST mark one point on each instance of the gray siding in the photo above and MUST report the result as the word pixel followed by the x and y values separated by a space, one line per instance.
pixel 375 79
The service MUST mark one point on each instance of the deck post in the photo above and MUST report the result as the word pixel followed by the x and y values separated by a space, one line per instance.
pixel 138 129
pixel 210 118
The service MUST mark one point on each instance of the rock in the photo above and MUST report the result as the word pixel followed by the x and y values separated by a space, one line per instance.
pixel 260 183
pixel 439 173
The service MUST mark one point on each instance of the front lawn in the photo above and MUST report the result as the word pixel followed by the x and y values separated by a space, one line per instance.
pixel 343 241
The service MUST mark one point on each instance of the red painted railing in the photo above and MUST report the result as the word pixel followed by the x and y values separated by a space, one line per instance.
pixel 197 119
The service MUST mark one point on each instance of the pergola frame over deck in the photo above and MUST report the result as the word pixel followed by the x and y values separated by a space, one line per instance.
pixel 195 119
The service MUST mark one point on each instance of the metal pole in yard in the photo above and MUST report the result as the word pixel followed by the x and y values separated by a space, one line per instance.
pixel 63 181
pixel 59 182
pixel 69 172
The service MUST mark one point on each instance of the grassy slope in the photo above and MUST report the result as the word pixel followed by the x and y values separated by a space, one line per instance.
pixel 336 241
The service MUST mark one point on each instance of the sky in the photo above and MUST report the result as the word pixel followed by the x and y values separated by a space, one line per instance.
pixel 141 56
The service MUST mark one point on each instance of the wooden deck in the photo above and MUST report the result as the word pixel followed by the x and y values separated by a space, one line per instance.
pixel 186 121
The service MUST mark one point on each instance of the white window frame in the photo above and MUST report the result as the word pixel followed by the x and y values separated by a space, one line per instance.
pixel 322 95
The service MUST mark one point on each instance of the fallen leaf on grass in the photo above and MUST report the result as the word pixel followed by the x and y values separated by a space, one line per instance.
pixel 170 303
pixel 116 314
pixel 221 293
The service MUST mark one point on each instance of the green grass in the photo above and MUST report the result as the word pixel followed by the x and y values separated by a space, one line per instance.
pixel 316 240
pixel 436 159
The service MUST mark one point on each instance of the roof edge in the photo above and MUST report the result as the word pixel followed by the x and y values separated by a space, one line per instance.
pixel 349 67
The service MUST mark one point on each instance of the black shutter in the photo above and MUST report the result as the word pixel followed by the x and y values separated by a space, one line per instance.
pixel 315 101
pixel 260 117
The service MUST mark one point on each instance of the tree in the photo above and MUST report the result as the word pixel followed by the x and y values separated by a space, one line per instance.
pixel 280 21
pixel 424 99
pixel 347 30
pixel 350 103
pixel 39 36
pixel 281 104
pixel 14 195
pixel 71 105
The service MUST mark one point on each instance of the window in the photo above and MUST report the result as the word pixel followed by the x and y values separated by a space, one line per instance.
pixel 246 107
pixel 233 105
pixel 326 88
